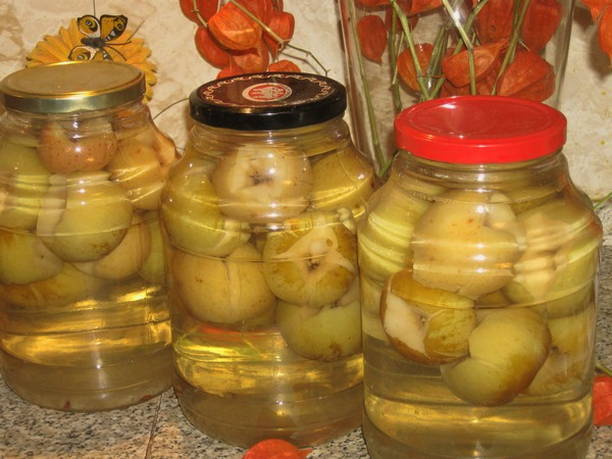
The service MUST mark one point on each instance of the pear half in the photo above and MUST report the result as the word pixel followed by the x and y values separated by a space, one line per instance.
pixel 371 292
pixel 311 262
pixel 84 216
pixel 571 356
pixel 426 325
pixel 23 183
pixel 560 282
pixel 154 265
pixel 461 244
pixel 342 179
pixel 191 215
pixel 384 235
pixel 24 259
pixel 554 223
pixel 136 168
pixel 66 287
pixel 506 350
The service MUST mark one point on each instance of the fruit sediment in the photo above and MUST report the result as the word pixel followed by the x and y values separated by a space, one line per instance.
pixel 478 311
pixel 263 283
pixel 84 324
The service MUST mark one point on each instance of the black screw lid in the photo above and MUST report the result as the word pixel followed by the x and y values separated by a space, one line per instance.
pixel 268 101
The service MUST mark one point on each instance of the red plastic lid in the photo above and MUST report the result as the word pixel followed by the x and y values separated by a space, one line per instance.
pixel 480 129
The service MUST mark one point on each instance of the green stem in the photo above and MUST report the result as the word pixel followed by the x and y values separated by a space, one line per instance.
pixel 459 46
pixel 602 202
pixel 602 368
pixel 309 54
pixel 408 37
pixel 170 106
pixel 392 43
pixel 516 34
pixel 437 54
pixel 197 13
pixel 380 158
pixel 468 44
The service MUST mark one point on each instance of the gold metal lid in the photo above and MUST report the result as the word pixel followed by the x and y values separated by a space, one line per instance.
pixel 72 86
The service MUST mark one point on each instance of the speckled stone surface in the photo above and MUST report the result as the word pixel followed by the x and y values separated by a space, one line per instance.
pixel 29 431
pixel 157 429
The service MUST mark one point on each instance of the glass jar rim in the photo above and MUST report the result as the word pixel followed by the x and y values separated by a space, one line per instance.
pixel 480 130
pixel 268 101
pixel 72 86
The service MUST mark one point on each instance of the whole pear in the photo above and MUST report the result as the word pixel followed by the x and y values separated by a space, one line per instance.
pixel 222 290
pixel 124 260
pixel 506 350
pixel 328 333
pixel 87 148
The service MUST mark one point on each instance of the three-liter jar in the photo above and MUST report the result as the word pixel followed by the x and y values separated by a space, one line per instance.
pixel 478 261
pixel 259 217
pixel 84 323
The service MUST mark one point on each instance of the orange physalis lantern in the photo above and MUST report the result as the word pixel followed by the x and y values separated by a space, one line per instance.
pixel 282 24
pixel 456 67
pixel 209 49
pixel 529 76
pixel 283 66
pixel 234 29
pixel 540 23
pixel 372 35
pixel 406 67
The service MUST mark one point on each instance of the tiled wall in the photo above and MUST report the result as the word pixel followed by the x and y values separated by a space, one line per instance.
pixel 587 96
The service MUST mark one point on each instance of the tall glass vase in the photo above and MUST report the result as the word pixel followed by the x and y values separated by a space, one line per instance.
pixel 400 52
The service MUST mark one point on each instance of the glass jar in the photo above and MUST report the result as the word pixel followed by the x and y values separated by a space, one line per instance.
pixel 478 261
pixel 259 219
pixel 84 323
pixel 401 52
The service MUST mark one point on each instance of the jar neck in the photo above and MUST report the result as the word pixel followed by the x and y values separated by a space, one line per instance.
pixel 127 116
pixel 550 170
pixel 311 140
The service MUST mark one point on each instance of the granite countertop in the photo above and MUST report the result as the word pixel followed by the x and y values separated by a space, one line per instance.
pixel 157 429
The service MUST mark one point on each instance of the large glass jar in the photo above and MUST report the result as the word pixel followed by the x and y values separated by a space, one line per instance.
pixel 84 323
pixel 400 52
pixel 259 219
pixel 478 261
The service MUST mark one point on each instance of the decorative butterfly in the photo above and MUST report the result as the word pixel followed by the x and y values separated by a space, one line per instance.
pixel 99 33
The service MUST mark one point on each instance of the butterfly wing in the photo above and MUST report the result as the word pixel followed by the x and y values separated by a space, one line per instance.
pixel 82 53
pixel 102 55
pixel 111 27
pixel 89 25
